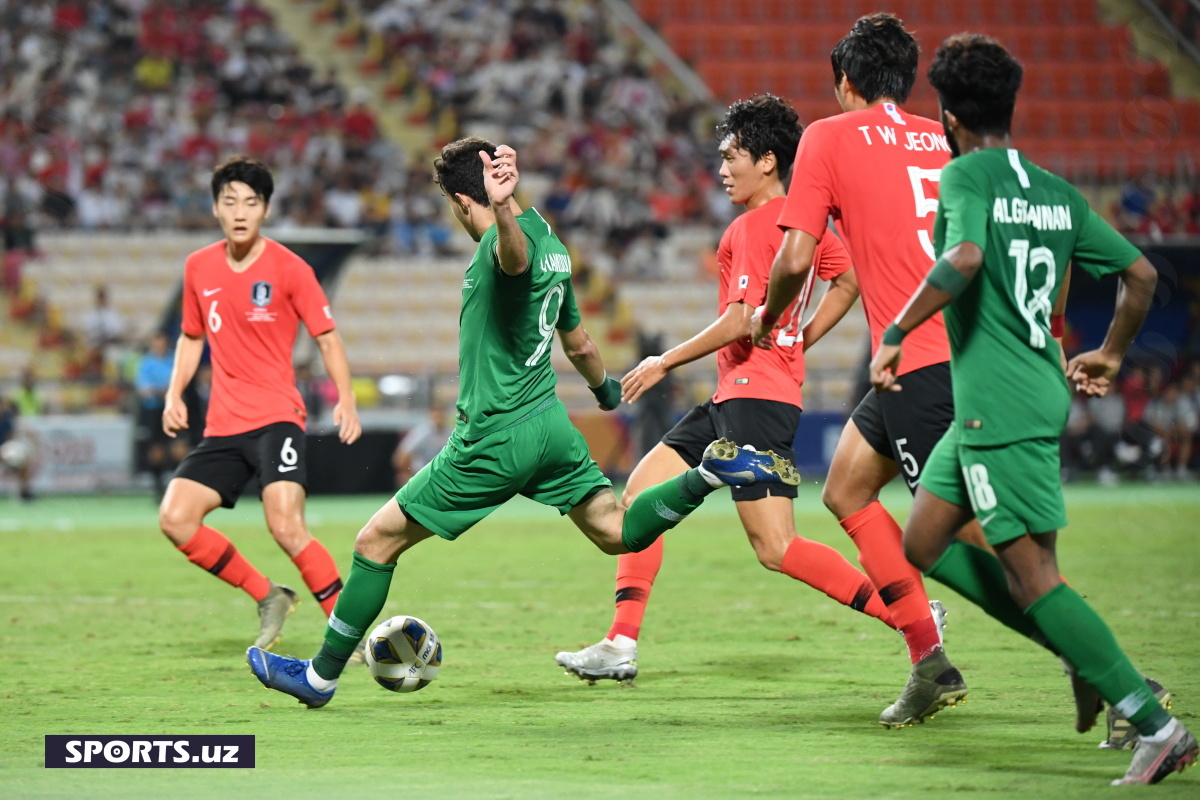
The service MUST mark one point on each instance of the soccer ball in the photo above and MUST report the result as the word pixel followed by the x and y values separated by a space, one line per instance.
pixel 403 654
pixel 14 454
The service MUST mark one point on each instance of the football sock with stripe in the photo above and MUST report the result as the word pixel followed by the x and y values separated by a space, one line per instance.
pixel 978 576
pixel 635 579
pixel 358 605
pixel 320 574
pixel 881 553
pixel 825 569
pixel 662 507
pixel 210 550
pixel 1077 631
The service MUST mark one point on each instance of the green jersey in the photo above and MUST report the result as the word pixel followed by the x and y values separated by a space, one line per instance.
pixel 506 329
pixel 1008 380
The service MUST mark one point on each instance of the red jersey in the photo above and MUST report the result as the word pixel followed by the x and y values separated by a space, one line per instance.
pixel 876 172
pixel 251 320
pixel 745 256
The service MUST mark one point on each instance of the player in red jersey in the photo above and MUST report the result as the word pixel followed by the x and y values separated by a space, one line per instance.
pixel 247 295
pixel 874 169
pixel 758 397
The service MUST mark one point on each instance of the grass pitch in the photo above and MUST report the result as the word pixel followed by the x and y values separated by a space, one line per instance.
pixel 751 684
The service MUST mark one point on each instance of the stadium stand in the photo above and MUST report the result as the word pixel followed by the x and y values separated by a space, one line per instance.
pixel 1084 108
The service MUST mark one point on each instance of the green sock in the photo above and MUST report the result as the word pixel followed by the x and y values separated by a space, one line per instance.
pixel 662 507
pixel 358 605
pixel 1086 641
pixel 978 576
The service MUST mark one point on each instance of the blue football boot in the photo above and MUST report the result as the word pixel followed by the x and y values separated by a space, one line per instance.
pixel 286 674
pixel 744 466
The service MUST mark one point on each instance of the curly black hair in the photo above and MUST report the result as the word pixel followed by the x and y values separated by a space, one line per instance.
pixel 764 124
pixel 459 169
pixel 244 169
pixel 879 57
pixel 977 81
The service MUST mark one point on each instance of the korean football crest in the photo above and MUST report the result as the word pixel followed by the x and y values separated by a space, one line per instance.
pixel 260 294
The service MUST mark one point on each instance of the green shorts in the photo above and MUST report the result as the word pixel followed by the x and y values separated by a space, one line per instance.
pixel 1014 488
pixel 543 457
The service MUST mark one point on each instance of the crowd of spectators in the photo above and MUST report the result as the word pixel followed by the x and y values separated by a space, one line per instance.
pixel 1148 207
pixel 622 154
pixel 113 114
pixel 1146 428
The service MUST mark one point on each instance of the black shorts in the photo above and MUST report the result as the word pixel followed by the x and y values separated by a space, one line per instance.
pixel 763 424
pixel 225 464
pixel 906 425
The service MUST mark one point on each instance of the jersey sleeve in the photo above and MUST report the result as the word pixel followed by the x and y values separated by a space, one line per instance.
pixel 963 208
pixel 531 248
pixel 568 317
pixel 811 197
pixel 753 253
pixel 831 258
pixel 193 320
pixel 1100 250
pixel 310 302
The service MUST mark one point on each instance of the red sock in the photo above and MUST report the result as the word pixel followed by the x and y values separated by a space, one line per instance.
pixel 635 578
pixel 825 569
pixel 320 574
pixel 880 551
pixel 210 549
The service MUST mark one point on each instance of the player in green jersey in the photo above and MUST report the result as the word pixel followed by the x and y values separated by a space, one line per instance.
pixel 1006 230
pixel 513 435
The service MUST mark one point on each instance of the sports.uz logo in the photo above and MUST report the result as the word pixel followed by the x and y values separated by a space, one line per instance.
pixel 260 294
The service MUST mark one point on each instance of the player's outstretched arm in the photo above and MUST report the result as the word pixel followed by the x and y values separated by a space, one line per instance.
pixel 188 351
pixel 843 291
pixel 952 273
pixel 734 324
pixel 789 271
pixel 1094 371
pixel 345 413
pixel 585 358
pixel 500 178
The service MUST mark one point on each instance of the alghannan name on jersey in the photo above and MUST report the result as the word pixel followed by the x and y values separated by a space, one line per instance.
pixel 555 262
pixel 1019 211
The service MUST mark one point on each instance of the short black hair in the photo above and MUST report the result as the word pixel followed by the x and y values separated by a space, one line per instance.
pixel 459 169
pixel 977 81
pixel 879 57
pixel 764 124
pixel 244 169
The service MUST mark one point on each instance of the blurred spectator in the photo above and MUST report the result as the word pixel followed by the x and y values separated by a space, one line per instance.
pixel 1175 420
pixel 15 451
pixel 1134 205
pixel 103 325
pixel 421 443
pixel 310 390
pixel 156 452
pixel 27 398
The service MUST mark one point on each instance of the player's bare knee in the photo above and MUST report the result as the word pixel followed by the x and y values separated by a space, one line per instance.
pixel 177 523
pixel 918 554
pixel 770 548
pixel 291 535
pixel 838 501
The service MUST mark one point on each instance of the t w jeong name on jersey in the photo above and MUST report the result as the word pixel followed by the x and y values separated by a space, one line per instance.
pixel 1018 211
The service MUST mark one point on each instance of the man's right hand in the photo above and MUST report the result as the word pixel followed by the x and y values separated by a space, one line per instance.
pixel 175 416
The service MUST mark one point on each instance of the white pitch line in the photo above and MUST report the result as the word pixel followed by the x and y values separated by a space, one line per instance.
pixel 101 600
